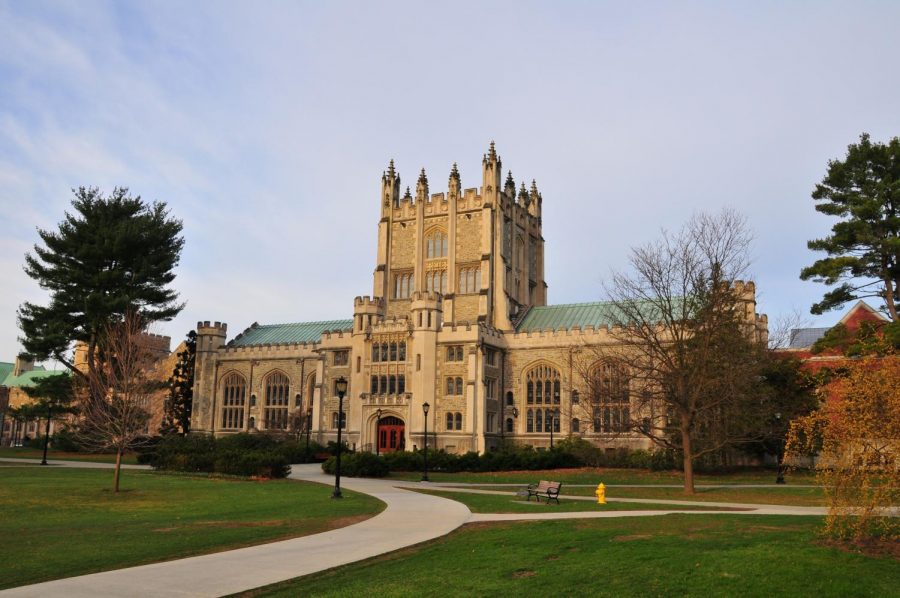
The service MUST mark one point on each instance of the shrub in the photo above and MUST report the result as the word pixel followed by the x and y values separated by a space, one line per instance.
pixel 261 462
pixel 64 440
pixel 295 451
pixel 194 452
pixel 358 465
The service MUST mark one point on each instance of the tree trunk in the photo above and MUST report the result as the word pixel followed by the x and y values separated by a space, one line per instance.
pixel 118 470
pixel 688 459
pixel 46 436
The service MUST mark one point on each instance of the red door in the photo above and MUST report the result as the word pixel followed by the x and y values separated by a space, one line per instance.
pixel 390 435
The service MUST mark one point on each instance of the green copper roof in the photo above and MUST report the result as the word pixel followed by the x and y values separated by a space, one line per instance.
pixel 26 379
pixel 301 332
pixel 6 369
pixel 554 317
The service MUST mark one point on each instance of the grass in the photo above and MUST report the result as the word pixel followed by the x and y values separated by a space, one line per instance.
pixel 31 453
pixel 810 496
pixel 594 476
pixel 59 522
pixel 496 503
pixel 670 555
pixel 805 496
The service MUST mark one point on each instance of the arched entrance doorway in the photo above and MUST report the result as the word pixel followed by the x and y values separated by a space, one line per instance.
pixel 390 435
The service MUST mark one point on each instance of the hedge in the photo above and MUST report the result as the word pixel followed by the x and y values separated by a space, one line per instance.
pixel 256 455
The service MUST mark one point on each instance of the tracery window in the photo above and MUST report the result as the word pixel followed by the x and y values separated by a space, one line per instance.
pixel 234 393
pixel 469 280
pixel 334 420
pixel 436 281
pixel 436 245
pixel 276 406
pixel 612 399
pixel 404 285
pixel 542 385
pixel 388 385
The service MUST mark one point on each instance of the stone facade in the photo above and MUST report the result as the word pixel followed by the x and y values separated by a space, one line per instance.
pixel 456 276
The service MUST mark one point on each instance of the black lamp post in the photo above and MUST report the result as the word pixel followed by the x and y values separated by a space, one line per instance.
pixel 553 415
pixel 308 428
pixel 425 407
pixel 779 456
pixel 340 385
pixel 378 433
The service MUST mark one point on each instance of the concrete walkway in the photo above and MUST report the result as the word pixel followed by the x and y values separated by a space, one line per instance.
pixel 410 518
pixel 75 464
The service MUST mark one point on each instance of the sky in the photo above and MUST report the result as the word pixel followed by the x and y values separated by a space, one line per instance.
pixel 265 127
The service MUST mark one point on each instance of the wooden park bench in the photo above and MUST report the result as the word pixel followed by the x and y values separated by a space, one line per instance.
pixel 545 488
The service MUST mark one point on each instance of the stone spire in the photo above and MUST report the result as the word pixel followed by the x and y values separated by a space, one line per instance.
pixel 422 187
pixel 524 199
pixel 390 187
pixel 510 187
pixel 454 180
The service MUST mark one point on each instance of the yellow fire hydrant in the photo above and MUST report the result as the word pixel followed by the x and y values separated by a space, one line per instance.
pixel 601 494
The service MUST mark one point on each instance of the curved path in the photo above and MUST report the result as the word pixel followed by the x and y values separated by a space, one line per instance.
pixel 410 518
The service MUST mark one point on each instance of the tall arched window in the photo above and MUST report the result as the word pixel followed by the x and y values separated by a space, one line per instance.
pixel 404 285
pixel 436 245
pixel 542 385
pixel 276 409
pixel 611 397
pixel 539 421
pixel 576 425
pixel 509 424
pixel 459 421
pixel 234 393
pixel 529 421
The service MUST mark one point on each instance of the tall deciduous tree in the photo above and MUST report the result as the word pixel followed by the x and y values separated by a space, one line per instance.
pixel 112 255
pixel 864 247
pixel 116 402
pixel 177 415
pixel 52 397
pixel 691 352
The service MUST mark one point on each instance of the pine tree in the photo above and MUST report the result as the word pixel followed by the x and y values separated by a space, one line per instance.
pixel 112 255
pixel 864 247
pixel 177 416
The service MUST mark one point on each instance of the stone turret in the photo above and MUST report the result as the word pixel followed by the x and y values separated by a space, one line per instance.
pixel 210 338
pixel 367 312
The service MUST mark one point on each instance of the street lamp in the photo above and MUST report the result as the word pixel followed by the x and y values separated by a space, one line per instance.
pixel 340 385
pixel 779 479
pixel 308 428
pixel 425 407
pixel 378 432
pixel 553 415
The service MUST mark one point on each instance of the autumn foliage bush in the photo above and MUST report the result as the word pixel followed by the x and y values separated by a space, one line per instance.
pixel 855 438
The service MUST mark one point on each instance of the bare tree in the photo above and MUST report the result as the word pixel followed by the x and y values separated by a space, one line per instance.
pixel 685 370
pixel 117 401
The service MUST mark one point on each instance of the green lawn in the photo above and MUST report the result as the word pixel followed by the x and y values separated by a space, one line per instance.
pixel 59 522
pixel 805 496
pixel 587 475
pixel 30 453
pixel 811 496
pixel 670 555
pixel 495 503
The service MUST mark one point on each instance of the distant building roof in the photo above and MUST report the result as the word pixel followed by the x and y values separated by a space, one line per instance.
pixel 27 379
pixel 803 338
pixel 554 317
pixel 299 332
pixel 6 369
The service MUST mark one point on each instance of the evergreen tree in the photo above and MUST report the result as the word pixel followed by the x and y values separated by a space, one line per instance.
pixel 52 397
pixel 177 416
pixel 112 255
pixel 864 247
